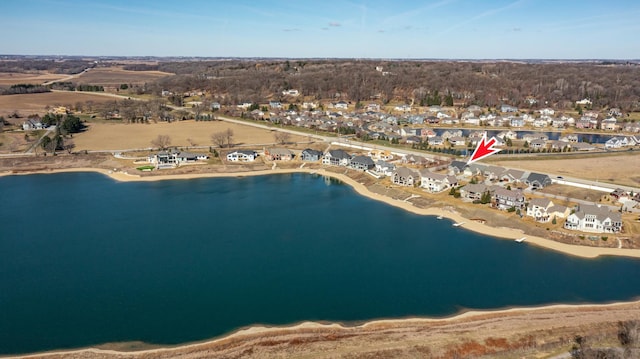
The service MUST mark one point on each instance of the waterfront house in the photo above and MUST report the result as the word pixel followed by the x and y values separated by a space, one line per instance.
pixel 516 122
pixel 457 141
pixel 538 209
pixel 473 191
pixel 609 124
pixel 583 146
pixel 311 155
pixel 385 168
pixel 594 218
pixel 362 163
pixel 242 156
pixel 512 135
pixel 336 158
pixel 505 199
pixel 278 154
pixel 404 176
pixel 173 158
pixel 435 182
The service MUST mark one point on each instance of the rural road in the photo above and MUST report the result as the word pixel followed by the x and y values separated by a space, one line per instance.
pixel 64 79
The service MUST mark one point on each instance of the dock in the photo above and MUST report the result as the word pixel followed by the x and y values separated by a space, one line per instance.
pixel 458 224
pixel 520 240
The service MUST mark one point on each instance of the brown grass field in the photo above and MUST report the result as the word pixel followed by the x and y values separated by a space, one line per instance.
pixel 111 76
pixel 12 78
pixel 618 169
pixel 118 136
pixel 35 103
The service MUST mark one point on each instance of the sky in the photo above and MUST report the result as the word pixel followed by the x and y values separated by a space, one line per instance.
pixel 441 29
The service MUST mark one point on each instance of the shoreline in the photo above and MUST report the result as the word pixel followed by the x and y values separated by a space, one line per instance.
pixel 503 233
pixel 249 332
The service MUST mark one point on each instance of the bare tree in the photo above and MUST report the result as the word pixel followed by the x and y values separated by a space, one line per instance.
pixel 282 137
pixel 192 143
pixel 229 135
pixel 219 138
pixel 162 142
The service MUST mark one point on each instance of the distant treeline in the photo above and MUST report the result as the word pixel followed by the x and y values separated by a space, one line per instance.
pixel 57 67
pixel 24 89
pixel 140 67
pixel 70 86
pixel 482 83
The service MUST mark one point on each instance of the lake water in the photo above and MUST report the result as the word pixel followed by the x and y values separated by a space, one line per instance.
pixel 86 260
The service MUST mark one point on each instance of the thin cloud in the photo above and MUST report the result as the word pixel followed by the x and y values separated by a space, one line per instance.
pixel 334 24
pixel 291 30
pixel 483 15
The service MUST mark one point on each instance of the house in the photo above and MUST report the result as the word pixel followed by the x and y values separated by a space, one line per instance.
pixel 435 182
pixel 511 176
pixel 457 141
pixel 456 167
pixel 341 105
pixel 538 208
pixel 504 198
pixel 336 158
pixel 516 122
pixel 373 107
pixel 290 92
pixel 436 141
pixel 215 106
pixel 583 146
pixel 537 180
pixel 32 124
pixel 276 105
pixel 173 158
pixel 404 176
pixel 619 193
pixel 613 142
pixel 535 136
pixel 451 133
pixel 381 155
pixel 416 160
pixel 474 169
pixel 403 108
pixel 310 155
pixel 385 168
pixel 493 172
pixel 595 219
pixel 609 124
pixel 512 135
pixel 537 144
pixel 278 154
pixel 584 102
pixel 507 108
pixel 547 112
pixel 242 156
pixel 473 191
pixel 569 138
pixel 363 163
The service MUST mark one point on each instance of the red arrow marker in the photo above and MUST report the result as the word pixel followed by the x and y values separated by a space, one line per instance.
pixel 483 149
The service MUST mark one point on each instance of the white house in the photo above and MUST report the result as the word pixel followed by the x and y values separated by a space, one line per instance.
pixel 435 182
pixel 242 156
pixel 543 210
pixel 594 218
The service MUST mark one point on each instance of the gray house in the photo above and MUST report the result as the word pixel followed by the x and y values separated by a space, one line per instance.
pixel 537 180
pixel 310 155
pixel 362 163
pixel 336 158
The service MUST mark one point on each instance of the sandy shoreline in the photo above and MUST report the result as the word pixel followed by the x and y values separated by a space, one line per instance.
pixel 250 333
pixel 502 232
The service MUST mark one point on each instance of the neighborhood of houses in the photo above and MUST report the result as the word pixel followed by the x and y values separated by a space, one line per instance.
pixel 498 187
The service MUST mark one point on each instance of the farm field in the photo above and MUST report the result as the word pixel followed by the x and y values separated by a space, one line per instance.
pixel 13 78
pixel 111 76
pixel 617 169
pixel 30 104
pixel 119 136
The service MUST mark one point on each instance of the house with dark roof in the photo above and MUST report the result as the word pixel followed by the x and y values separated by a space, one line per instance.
pixel 336 158
pixel 385 168
pixel 537 180
pixel 456 167
pixel 362 163
pixel 310 155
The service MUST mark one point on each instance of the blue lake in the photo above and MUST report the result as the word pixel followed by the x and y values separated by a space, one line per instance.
pixel 86 260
